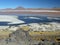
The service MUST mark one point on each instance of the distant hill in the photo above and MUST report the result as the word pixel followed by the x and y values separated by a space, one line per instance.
pixel 19 8
pixel 22 8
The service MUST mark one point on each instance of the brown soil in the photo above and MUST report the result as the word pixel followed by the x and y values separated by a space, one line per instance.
pixel 48 13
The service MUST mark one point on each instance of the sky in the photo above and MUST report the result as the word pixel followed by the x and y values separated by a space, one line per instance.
pixel 29 3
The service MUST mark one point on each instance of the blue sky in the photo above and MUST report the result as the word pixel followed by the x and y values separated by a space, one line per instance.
pixel 29 3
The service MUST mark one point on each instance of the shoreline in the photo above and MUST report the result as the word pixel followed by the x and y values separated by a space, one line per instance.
pixel 36 12
pixel 33 13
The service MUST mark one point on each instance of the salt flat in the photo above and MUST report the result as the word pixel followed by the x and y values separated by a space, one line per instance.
pixel 11 19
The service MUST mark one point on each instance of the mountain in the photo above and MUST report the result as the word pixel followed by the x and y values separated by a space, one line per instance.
pixel 19 8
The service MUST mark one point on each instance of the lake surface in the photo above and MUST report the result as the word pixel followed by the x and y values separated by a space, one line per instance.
pixel 34 19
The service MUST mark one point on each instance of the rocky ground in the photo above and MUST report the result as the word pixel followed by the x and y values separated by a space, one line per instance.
pixel 21 37
pixel 15 38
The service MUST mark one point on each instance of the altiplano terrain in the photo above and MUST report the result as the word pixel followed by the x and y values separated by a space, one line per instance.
pixel 21 10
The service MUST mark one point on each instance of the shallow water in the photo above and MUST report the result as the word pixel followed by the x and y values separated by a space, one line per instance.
pixel 34 19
